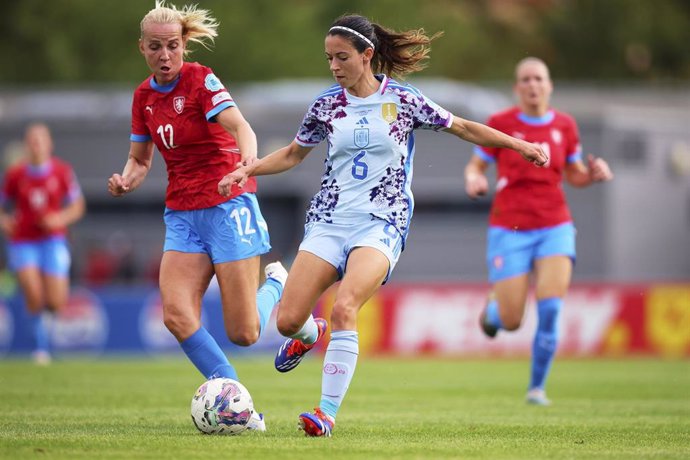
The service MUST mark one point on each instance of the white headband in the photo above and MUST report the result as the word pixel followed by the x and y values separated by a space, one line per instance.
pixel 354 32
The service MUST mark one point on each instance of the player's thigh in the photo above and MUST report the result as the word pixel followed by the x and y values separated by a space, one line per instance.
pixel 56 291
pixel 31 284
pixel 511 295
pixel 553 276
pixel 238 281
pixel 309 277
pixel 184 278
pixel 367 268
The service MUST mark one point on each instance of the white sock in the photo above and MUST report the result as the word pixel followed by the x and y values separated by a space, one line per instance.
pixel 338 368
pixel 309 332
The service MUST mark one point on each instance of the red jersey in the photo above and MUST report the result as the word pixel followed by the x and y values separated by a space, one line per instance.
pixel 528 197
pixel 180 119
pixel 37 191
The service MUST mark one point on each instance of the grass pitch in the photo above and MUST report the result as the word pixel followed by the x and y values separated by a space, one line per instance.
pixel 395 409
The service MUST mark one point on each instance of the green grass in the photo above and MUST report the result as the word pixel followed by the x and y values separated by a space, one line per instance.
pixel 424 408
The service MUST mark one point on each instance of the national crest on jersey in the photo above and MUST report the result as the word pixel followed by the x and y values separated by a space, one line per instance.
pixel 371 146
pixel 180 120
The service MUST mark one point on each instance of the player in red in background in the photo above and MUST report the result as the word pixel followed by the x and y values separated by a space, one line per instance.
pixel 46 198
pixel 530 227
pixel 185 110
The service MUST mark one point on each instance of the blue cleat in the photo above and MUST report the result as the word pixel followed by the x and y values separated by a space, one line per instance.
pixel 489 329
pixel 292 351
pixel 317 424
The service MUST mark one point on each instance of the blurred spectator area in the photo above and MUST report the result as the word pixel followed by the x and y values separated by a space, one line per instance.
pixel 635 228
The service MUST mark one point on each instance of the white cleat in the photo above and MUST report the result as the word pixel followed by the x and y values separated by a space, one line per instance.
pixel 537 397
pixel 41 357
pixel 276 271
pixel 256 422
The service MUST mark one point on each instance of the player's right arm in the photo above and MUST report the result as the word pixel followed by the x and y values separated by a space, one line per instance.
pixel 476 183
pixel 135 171
pixel 281 160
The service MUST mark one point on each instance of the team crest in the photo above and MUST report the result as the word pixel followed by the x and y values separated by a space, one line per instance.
pixel 389 112
pixel 556 136
pixel 361 137
pixel 178 104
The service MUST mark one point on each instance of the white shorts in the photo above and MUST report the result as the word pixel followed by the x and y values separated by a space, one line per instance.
pixel 334 242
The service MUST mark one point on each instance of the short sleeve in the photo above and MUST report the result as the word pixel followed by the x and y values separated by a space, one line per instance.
pixel 72 185
pixel 140 132
pixel 429 115
pixel 213 96
pixel 573 146
pixel 312 130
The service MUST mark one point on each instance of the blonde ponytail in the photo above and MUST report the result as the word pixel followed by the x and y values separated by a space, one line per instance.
pixel 198 25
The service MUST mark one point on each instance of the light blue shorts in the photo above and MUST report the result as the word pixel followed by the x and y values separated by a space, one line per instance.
pixel 334 242
pixel 230 231
pixel 51 256
pixel 511 253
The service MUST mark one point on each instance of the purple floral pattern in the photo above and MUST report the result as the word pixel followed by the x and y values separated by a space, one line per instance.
pixel 389 197
pixel 323 203
pixel 317 124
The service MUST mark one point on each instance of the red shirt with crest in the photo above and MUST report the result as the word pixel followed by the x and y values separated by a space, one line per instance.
pixel 180 119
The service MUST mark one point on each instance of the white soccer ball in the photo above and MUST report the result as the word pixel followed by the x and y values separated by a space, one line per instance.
pixel 222 406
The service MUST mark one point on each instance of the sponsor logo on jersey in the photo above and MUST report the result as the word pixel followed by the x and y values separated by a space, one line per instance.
pixel 212 83
pixel 148 107
pixel 556 135
pixel 361 137
pixel 178 104
pixel 363 121
pixel 389 112
pixel 220 97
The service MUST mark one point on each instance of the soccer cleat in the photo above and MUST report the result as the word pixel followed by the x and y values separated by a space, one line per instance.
pixel 256 422
pixel 316 424
pixel 41 357
pixel 292 351
pixel 537 397
pixel 489 329
pixel 276 271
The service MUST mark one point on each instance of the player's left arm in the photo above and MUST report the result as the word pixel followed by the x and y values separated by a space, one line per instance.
pixel 486 136
pixel 578 174
pixel 232 121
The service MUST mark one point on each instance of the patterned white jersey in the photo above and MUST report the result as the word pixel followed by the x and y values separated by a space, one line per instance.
pixel 368 169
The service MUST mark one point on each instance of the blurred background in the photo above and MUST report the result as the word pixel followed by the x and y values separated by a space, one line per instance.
pixel 621 68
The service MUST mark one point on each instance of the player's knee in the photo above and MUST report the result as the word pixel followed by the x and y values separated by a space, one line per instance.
pixel 511 323
pixel 288 325
pixel 244 338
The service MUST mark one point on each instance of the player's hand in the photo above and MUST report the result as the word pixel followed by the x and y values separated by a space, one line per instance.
pixel 52 221
pixel 599 170
pixel 476 185
pixel 240 176
pixel 534 154
pixel 118 185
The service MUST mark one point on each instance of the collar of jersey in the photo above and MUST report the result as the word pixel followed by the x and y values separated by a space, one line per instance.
pixel 164 88
pixel 537 121
pixel 382 87
pixel 41 170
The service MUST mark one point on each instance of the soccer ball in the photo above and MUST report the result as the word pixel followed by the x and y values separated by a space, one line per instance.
pixel 222 406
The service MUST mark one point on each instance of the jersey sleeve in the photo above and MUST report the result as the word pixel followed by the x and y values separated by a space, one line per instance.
pixel 213 96
pixel 488 154
pixel 71 185
pixel 7 193
pixel 572 139
pixel 312 130
pixel 428 114
pixel 140 133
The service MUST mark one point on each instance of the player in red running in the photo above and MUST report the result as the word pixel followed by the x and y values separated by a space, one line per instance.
pixel 186 112
pixel 47 199
pixel 530 227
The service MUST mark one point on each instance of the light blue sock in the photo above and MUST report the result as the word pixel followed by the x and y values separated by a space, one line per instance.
pixel 492 315
pixel 338 368
pixel 545 340
pixel 309 332
pixel 267 297
pixel 205 353
pixel 39 332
